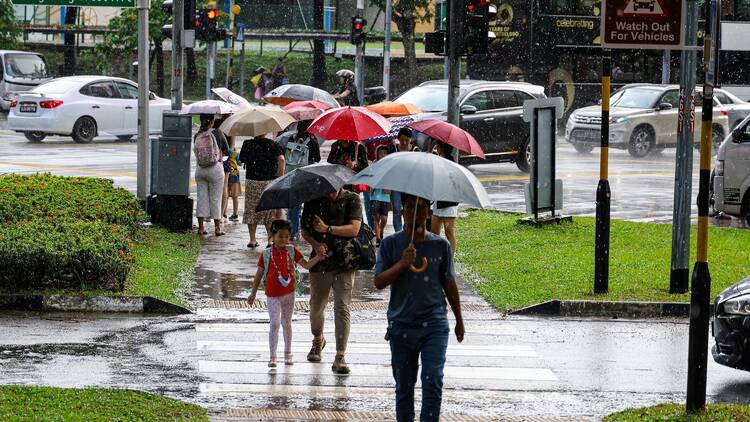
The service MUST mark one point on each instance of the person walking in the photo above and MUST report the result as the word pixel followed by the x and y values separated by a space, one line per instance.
pixel 209 176
pixel 264 162
pixel 444 214
pixel 353 155
pixel 300 150
pixel 277 272
pixel 278 73
pixel 235 187
pixel 326 223
pixel 418 327
pixel 402 144
pixel 380 201
pixel 347 93
pixel 223 143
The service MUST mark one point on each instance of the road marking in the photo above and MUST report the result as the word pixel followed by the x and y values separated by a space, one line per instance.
pixel 372 370
pixel 372 348
pixel 581 175
pixel 495 329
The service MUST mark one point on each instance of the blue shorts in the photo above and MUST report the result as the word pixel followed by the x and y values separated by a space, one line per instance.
pixel 234 178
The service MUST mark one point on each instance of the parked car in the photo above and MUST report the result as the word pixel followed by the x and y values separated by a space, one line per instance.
pixel 643 119
pixel 20 71
pixel 736 108
pixel 490 111
pixel 730 180
pixel 83 107
pixel 731 326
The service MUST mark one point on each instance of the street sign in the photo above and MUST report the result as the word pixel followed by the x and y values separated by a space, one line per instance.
pixel 652 24
pixel 87 3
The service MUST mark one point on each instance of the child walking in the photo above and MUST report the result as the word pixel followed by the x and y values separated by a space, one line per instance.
pixel 235 185
pixel 277 269
pixel 380 200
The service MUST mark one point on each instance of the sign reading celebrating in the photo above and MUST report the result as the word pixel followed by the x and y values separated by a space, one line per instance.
pixel 88 3
pixel 653 24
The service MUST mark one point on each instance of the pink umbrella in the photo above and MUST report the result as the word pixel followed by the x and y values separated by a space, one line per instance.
pixel 305 110
pixel 450 134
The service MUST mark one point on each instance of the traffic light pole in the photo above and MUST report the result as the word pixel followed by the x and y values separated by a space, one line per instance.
pixel 143 154
pixel 603 193
pixel 701 282
pixel 683 185
pixel 359 64
pixel 209 67
pixel 387 50
pixel 455 33
pixel 178 27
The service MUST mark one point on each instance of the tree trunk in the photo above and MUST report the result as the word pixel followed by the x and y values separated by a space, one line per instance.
pixel 318 78
pixel 69 62
pixel 406 25
pixel 159 52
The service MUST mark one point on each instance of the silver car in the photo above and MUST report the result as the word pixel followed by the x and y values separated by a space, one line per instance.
pixel 20 71
pixel 643 120
pixel 731 175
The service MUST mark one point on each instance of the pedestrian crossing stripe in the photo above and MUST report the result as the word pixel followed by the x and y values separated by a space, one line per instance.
pixel 372 348
pixel 262 327
pixel 371 370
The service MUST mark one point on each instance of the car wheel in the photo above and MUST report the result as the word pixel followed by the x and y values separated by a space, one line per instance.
pixel 124 138
pixel 583 148
pixel 524 157
pixel 641 141
pixel 84 130
pixel 35 137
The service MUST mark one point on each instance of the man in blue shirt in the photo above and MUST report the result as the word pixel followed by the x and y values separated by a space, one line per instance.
pixel 421 277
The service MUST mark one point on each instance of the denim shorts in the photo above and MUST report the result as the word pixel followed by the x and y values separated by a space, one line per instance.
pixel 234 178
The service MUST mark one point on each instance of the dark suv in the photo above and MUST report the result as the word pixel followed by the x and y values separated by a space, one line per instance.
pixel 490 111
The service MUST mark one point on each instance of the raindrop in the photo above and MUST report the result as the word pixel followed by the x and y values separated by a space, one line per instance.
pixel 424 324
pixel 403 335
pixel 426 278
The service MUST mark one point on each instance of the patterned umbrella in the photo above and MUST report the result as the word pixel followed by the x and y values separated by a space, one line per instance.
pixel 397 123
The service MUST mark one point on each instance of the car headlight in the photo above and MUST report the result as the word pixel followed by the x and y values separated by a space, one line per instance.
pixel 738 306
pixel 719 167
pixel 617 120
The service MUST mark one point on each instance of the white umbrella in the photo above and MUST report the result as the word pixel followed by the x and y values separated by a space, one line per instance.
pixel 427 176
pixel 256 121
pixel 209 107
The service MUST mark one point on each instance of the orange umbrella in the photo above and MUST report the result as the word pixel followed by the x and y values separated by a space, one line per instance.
pixel 391 109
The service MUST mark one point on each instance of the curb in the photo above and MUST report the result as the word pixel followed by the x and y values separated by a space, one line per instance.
pixel 595 308
pixel 57 303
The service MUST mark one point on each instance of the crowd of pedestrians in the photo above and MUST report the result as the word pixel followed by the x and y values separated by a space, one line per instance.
pixel 417 316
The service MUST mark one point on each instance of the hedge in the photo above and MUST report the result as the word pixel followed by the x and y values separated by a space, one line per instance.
pixel 65 232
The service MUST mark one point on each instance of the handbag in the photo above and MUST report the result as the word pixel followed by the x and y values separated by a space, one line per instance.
pixel 356 253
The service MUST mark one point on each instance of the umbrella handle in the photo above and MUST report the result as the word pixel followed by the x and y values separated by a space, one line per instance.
pixel 420 269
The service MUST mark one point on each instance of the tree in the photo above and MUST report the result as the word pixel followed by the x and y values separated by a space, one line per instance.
pixel 124 37
pixel 9 30
pixel 406 14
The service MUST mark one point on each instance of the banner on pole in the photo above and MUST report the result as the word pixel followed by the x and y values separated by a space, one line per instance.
pixel 652 24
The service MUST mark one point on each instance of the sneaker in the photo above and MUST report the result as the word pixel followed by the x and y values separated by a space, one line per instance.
pixel 339 365
pixel 316 350
pixel 288 359
pixel 234 217
pixel 272 363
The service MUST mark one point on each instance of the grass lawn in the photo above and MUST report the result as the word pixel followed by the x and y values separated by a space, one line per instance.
pixel 676 413
pixel 163 265
pixel 19 403
pixel 518 265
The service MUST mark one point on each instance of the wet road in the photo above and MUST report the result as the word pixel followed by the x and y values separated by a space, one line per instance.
pixel 642 189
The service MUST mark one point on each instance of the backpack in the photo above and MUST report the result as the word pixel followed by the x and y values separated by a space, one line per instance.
pixel 296 154
pixel 266 262
pixel 206 150
pixel 357 253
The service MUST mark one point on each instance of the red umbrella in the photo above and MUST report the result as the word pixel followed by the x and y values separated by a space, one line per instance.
pixel 305 110
pixel 450 134
pixel 350 124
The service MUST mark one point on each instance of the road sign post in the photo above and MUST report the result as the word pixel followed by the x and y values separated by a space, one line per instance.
pixel 144 143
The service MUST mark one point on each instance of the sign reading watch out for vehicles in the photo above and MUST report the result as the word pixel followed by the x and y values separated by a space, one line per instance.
pixel 88 3
pixel 654 24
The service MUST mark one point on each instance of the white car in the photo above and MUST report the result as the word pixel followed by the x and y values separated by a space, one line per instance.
pixel 83 107
pixel 730 180
pixel 642 119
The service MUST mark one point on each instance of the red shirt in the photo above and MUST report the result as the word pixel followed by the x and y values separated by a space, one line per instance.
pixel 279 264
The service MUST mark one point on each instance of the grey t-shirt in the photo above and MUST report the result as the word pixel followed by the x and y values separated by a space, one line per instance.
pixel 417 297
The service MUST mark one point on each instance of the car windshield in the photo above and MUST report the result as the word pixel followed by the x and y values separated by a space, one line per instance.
pixel 635 98
pixel 427 98
pixel 59 86
pixel 26 66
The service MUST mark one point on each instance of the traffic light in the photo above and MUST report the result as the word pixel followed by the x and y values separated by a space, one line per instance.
pixel 357 34
pixel 207 26
pixel 167 8
pixel 435 43
pixel 477 17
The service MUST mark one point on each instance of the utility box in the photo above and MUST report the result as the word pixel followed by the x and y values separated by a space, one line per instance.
pixel 170 204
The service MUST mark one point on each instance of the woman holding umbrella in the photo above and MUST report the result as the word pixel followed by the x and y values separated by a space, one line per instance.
pixel 209 175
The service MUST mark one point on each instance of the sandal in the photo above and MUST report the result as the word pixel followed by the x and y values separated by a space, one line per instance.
pixel 252 245
pixel 202 233
pixel 288 359
pixel 220 233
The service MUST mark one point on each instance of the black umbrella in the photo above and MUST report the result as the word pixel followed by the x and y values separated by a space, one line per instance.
pixel 304 184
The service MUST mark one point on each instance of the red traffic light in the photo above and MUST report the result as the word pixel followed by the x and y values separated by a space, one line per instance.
pixel 358 26
pixel 212 14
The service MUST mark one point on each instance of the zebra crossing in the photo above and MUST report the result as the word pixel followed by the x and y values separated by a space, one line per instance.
pixel 234 354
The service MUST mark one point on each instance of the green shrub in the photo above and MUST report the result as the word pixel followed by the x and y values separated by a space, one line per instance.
pixel 65 232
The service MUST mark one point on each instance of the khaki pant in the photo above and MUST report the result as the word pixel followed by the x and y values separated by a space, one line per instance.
pixel 320 287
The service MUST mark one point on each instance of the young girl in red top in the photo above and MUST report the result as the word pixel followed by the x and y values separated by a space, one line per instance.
pixel 280 282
